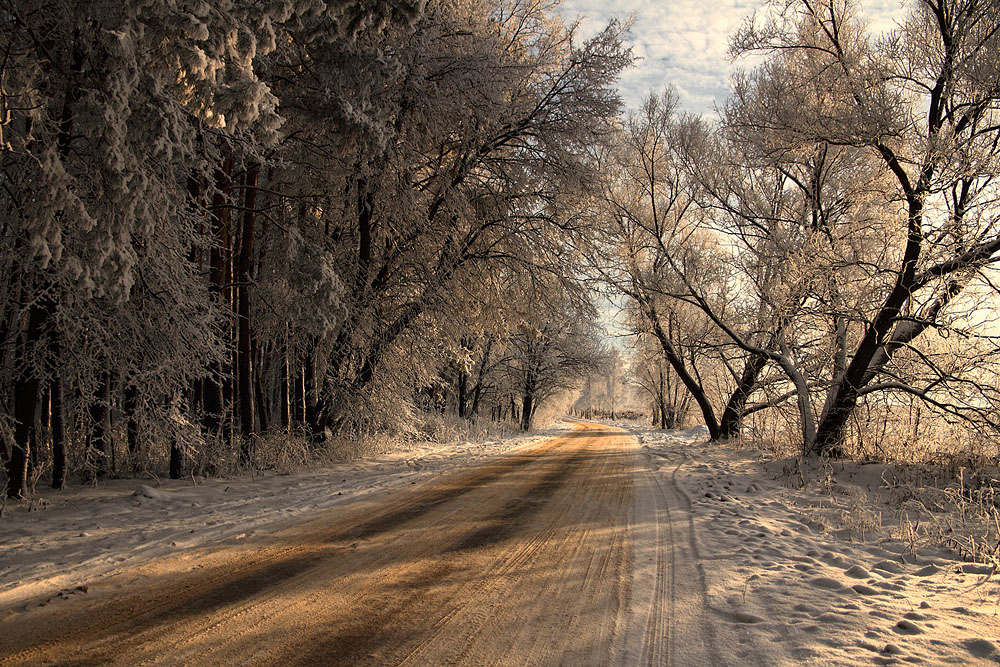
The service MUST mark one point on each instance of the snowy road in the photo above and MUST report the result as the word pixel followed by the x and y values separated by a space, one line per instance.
pixel 598 545
pixel 527 558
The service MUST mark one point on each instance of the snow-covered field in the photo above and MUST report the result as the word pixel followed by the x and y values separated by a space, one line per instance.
pixel 819 574
pixel 816 574
pixel 62 539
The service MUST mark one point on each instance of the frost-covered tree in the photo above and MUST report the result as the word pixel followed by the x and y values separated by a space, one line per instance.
pixel 101 108
pixel 921 103
pixel 468 162
pixel 228 218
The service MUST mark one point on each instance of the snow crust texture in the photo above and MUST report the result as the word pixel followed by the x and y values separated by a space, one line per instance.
pixel 798 576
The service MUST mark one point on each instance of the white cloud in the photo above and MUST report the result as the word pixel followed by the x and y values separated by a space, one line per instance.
pixel 683 43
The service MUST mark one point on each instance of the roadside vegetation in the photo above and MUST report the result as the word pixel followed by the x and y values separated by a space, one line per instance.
pixel 260 235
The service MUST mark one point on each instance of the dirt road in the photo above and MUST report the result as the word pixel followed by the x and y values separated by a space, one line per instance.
pixel 545 556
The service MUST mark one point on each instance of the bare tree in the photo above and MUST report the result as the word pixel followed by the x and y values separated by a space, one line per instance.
pixel 922 103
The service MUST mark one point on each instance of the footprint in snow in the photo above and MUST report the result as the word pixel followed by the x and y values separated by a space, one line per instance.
pixel 745 617
pixel 978 568
pixel 832 617
pixel 835 559
pixel 906 627
pixel 888 566
pixel 981 648
pixel 827 583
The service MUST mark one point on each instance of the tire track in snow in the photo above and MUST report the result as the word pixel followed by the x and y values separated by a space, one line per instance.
pixel 389 583
pixel 675 629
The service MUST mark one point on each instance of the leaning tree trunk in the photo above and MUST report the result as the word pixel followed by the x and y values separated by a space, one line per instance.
pixel 732 416
pixel 829 439
pixel 677 363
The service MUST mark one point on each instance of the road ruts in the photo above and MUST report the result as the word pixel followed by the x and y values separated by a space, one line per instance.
pixel 524 560
pixel 673 612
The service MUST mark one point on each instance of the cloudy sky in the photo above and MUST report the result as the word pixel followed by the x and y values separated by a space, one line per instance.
pixel 684 42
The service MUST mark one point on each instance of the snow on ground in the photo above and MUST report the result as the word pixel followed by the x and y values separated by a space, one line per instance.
pixel 62 539
pixel 819 574
pixel 795 574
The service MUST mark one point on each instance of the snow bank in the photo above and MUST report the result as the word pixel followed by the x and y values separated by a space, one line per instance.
pixel 820 574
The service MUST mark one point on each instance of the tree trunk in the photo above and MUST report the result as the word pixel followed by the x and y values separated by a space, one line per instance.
pixel 130 408
pixel 316 413
pixel 244 349
pixel 286 387
pixel 661 399
pixel 100 435
pixel 527 411
pixel 26 392
pixel 176 460
pixel 262 405
pixel 477 390
pixel 58 434
pixel 220 264
pixel 732 416
pixel 829 438
pixel 677 363
pixel 463 387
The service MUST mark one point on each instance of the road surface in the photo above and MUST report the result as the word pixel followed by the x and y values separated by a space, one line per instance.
pixel 570 552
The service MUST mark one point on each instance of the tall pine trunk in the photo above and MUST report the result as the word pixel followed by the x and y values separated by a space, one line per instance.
pixel 246 396
pixel 220 264
pixel 58 428
pixel 100 434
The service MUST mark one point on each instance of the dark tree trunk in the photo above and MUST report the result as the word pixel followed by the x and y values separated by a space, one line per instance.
pixel 176 460
pixel 314 408
pixel 527 410
pixel 100 435
pixel 58 428
pixel 263 406
pixel 829 438
pixel 196 401
pixel 477 390
pixel 27 403
pixel 220 264
pixel 26 397
pixel 732 416
pixel 285 389
pixel 130 406
pixel 666 421
pixel 303 394
pixel 692 384
pixel 244 349
pixel 463 388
